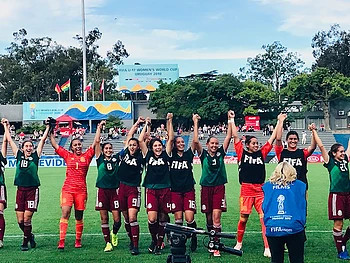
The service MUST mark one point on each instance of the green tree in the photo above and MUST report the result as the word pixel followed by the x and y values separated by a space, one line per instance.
pixel 257 97
pixel 33 66
pixel 275 67
pixel 210 99
pixel 331 49
pixel 320 87
pixel 113 121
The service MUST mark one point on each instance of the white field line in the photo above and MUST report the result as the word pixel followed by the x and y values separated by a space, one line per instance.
pixel 145 233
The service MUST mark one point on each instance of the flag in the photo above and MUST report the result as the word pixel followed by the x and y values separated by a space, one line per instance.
pixel 58 88
pixel 66 86
pixel 88 87
pixel 102 86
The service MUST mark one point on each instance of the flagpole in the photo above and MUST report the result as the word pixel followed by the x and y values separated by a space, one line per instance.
pixel 70 92
pixel 92 90
pixel 84 48
pixel 103 94
pixel 59 96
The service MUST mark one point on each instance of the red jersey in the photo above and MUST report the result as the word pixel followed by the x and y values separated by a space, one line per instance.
pixel 77 168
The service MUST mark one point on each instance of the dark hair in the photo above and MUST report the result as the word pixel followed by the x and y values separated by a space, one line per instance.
pixel 25 141
pixel 105 144
pixel 334 149
pixel 153 141
pixel 136 140
pixel 248 138
pixel 210 137
pixel 292 133
pixel 175 139
pixel 71 142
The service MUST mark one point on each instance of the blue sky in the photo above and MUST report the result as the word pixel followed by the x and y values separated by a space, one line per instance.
pixel 198 35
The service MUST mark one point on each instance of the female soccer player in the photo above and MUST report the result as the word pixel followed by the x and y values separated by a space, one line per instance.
pixel 213 179
pixel 27 182
pixel 295 156
pixel 336 162
pixel 74 187
pixel 284 209
pixel 107 185
pixel 3 203
pixel 183 196
pixel 129 174
pixel 157 184
pixel 252 176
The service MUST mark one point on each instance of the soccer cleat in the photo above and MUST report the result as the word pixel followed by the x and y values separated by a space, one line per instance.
pixel 24 248
pixel 267 252
pixel 216 253
pixel 77 243
pixel 108 247
pixel 131 245
pixel 1 244
pixel 114 239
pixel 157 251
pixel 135 251
pixel 193 245
pixel 32 241
pixel 152 247
pixel 238 246
pixel 60 244
pixel 343 255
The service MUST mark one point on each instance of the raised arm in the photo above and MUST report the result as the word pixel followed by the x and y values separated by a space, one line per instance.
pixel 53 141
pixel 196 145
pixel 133 130
pixel 232 123
pixel 227 140
pixel 278 129
pixel 318 141
pixel 142 142
pixel 313 145
pixel 347 152
pixel 41 144
pixel 170 129
pixel 4 140
pixel 279 132
pixel 97 140
pixel 8 137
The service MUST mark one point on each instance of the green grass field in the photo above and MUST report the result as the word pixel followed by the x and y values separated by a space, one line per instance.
pixel 319 246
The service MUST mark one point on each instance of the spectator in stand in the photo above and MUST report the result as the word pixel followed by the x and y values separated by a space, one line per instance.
pixel 251 129
pixel 271 129
pixel 303 137
pixel 244 128
pixel 322 127
pixel 205 128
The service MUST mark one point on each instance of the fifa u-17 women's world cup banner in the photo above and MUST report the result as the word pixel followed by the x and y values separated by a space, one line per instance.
pixel 79 110
pixel 145 78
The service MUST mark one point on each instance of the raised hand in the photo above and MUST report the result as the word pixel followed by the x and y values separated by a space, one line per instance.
pixel 169 116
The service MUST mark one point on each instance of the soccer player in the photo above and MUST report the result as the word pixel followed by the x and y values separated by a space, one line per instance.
pixel 336 161
pixel 74 187
pixel 129 174
pixel 284 209
pixel 293 155
pixel 183 196
pixel 213 179
pixel 27 182
pixel 107 184
pixel 3 203
pixel 157 184
pixel 252 176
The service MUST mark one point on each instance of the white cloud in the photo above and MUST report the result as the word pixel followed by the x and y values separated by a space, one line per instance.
pixel 306 17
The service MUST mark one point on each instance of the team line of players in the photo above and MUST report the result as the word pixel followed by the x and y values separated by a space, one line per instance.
pixel 168 181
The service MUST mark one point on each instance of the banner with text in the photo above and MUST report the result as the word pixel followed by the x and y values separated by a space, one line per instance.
pixel 144 78
pixel 80 110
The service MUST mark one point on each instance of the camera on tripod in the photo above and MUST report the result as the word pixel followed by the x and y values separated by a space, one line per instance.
pixel 180 234
pixel 51 122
